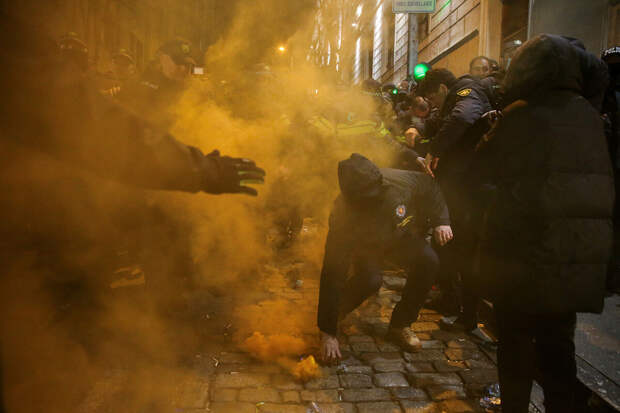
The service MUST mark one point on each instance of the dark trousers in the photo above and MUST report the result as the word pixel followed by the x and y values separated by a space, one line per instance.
pixel 420 261
pixel 458 256
pixel 540 346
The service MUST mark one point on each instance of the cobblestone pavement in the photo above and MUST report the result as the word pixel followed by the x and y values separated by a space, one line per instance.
pixel 447 375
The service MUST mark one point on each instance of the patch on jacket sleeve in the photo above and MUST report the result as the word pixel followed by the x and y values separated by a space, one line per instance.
pixel 401 210
pixel 404 222
pixel 464 92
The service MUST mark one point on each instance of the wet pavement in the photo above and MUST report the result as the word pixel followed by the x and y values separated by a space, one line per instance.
pixel 597 342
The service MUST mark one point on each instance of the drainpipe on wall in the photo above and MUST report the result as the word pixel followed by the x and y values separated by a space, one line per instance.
pixel 412 46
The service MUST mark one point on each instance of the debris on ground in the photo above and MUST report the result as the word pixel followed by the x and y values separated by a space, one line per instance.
pixel 491 401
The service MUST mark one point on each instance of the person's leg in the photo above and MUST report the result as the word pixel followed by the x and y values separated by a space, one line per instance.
pixel 447 279
pixel 467 243
pixel 422 265
pixel 366 281
pixel 515 359
pixel 449 254
pixel 555 348
pixel 470 298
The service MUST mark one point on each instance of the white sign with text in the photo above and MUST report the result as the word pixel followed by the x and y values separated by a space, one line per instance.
pixel 413 6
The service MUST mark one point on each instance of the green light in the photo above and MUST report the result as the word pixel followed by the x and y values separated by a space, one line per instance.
pixel 395 91
pixel 419 71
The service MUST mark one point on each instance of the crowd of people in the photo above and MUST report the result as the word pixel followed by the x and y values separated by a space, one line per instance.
pixel 516 188
pixel 499 185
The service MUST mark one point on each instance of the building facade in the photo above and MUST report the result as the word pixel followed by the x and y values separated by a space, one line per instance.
pixel 140 26
pixel 376 43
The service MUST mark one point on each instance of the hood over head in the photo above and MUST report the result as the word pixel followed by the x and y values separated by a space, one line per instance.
pixel 550 62
pixel 359 178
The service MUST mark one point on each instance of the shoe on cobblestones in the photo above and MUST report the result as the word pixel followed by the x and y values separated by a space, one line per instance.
pixel 406 338
pixel 457 323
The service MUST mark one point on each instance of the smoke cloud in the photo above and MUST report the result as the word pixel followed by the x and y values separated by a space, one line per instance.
pixel 222 260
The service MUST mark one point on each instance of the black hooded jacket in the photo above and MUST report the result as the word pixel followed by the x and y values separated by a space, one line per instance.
pixel 408 202
pixel 549 232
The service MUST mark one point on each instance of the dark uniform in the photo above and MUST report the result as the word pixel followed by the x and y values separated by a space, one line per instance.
pixel 363 232
pixel 460 131
pixel 73 49
pixel 461 128
pixel 122 74
pixel 152 94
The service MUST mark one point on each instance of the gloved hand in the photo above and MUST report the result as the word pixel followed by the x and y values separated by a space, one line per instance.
pixel 492 116
pixel 231 175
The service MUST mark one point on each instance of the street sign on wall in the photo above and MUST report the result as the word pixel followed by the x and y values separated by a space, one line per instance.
pixel 413 6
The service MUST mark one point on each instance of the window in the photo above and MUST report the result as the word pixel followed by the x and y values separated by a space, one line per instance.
pixel 377 56
pixel 391 19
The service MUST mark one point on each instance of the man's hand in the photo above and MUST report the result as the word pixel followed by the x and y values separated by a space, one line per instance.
pixel 330 349
pixel 231 175
pixel 430 163
pixel 492 116
pixel 422 165
pixel 443 234
pixel 427 164
pixel 411 135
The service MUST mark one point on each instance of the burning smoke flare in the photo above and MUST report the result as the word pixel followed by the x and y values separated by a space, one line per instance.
pixel 283 349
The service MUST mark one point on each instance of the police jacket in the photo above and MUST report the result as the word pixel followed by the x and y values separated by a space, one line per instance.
pixel 461 128
pixel 410 203
pixel 152 95
pixel 549 232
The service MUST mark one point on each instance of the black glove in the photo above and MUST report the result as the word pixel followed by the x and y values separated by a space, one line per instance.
pixel 230 175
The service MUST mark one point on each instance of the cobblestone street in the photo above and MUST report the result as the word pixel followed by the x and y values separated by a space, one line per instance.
pixel 447 375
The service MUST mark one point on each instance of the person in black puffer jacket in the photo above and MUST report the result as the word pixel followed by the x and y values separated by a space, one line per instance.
pixel 549 232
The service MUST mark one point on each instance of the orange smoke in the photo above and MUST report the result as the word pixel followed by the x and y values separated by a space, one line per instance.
pixel 272 347
pixel 283 349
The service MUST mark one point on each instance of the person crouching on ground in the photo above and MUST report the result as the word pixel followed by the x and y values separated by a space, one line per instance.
pixel 381 213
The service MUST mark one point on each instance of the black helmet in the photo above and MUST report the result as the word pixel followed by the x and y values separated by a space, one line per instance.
pixel 123 56
pixel 179 51
pixel 71 41
pixel 73 49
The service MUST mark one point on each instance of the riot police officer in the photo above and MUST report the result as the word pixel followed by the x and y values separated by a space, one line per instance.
pixel 380 213
pixel 74 51
pixel 462 103
pixel 162 84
